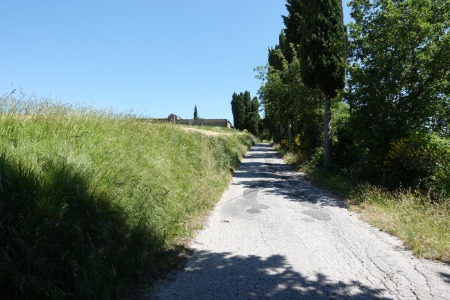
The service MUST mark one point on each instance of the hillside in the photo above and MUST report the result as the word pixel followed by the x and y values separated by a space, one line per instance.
pixel 89 201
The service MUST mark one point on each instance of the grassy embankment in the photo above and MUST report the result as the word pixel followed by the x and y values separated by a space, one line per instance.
pixel 89 201
pixel 421 223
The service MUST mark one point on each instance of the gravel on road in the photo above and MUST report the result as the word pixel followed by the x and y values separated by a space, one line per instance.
pixel 273 235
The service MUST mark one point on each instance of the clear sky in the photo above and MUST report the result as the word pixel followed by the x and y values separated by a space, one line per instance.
pixel 150 57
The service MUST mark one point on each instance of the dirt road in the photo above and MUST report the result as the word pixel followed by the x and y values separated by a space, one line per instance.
pixel 275 236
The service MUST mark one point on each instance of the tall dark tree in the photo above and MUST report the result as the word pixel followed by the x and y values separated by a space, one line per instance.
pixel 238 110
pixel 293 23
pixel 254 118
pixel 195 113
pixel 245 112
pixel 248 108
pixel 319 29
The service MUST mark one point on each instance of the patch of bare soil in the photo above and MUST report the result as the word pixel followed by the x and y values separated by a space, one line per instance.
pixel 205 132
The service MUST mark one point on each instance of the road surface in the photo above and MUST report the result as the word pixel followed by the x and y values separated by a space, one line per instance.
pixel 275 236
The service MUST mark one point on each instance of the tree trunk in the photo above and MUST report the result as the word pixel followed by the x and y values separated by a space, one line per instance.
pixel 327 133
pixel 289 132
pixel 281 131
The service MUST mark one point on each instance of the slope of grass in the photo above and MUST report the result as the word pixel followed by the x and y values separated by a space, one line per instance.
pixel 421 223
pixel 89 200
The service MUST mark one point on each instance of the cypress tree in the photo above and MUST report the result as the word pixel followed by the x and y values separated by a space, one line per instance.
pixel 248 109
pixel 293 23
pixel 254 118
pixel 318 27
pixel 238 110
pixel 195 113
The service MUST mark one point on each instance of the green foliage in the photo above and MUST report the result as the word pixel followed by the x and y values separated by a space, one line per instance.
pixel 245 112
pixel 399 89
pixel 290 107
pixel 294 22
pixel 247 99
pixel 317 158
pixel 392 121
pixel 421 162
pixel 317 27
pixel 238 110
pixel 265 135
pixel 89 200
pixel 195 113
pixel 399 85
pixel 253 117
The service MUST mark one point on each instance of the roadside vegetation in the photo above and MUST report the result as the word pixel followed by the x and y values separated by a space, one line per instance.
pixel 418 219
pixel 388 149
pixel 90 201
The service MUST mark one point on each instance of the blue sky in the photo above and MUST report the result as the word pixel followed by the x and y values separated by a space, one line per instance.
pixel 151 57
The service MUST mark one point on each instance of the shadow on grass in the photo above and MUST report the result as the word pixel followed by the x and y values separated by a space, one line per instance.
pixel 226 276
pixel 280 179
pixel 61 239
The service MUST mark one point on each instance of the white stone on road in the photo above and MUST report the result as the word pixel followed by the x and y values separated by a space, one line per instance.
pixel 275 236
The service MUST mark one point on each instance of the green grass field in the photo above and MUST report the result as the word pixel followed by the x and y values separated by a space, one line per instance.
pixel 90 201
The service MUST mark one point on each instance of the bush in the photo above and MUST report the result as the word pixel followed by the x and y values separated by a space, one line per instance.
pixel 419 161
pixel 265 135
pixel 317 158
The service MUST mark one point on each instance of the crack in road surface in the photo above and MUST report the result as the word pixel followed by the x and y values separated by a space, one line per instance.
pixel 273 235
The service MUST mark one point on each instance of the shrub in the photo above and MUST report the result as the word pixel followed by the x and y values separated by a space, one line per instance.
pixel 284 143
pixel 419 161
pixel 265 135
pixel 317 158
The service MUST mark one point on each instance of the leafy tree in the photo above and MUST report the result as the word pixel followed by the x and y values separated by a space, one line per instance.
pixel 290 107
pixel 317 27
pixel 399 78
pixel 278 99
pixel 195 113
pixel 254 118
pixel 273 91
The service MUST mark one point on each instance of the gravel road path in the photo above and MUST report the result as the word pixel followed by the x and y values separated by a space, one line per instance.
pixel 275 236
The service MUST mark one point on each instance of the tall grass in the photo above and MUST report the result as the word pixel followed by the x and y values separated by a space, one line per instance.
pixel 421 223
pixel 89 200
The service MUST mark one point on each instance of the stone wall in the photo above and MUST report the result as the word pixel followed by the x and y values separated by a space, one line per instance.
pixel 205 122
pixel 172 118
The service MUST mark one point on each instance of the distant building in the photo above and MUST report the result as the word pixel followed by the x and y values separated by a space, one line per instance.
pixel 172 118
pixel 205 122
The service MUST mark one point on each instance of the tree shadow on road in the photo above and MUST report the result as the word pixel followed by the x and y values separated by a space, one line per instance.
pixel 226 276
pixel 445 276
pixel 281 179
